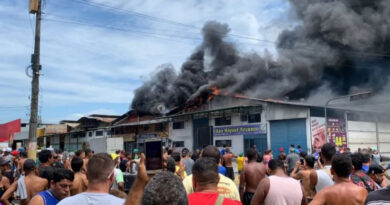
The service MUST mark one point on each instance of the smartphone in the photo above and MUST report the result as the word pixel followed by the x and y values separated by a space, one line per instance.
pixel 154 155
pixel 301 160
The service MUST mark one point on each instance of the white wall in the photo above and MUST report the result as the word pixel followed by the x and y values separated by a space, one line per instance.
pixel 384 138
pixel 182 134
pixel 361 134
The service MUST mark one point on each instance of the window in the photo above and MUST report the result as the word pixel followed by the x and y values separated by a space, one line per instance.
pixel 223 121
pixel 220 143
pixel 244 117
pixel 89 134
pixel 159 127
pixel 178 125
pixel 178 144
pixel 252 118
pixel 99 133
pixel 146 127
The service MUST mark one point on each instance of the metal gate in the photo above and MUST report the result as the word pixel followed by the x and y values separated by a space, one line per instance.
pixel 287 132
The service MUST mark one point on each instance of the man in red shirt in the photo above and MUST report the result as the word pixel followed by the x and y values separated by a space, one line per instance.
pixel 205 180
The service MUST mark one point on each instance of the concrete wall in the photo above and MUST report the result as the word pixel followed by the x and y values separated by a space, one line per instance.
pixel 184 134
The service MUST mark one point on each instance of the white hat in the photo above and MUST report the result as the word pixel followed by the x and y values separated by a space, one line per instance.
pixel 8 149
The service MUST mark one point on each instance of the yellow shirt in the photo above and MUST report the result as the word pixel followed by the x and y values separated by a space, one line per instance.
pixel 240 163
pixel 226 187
pixel 177 169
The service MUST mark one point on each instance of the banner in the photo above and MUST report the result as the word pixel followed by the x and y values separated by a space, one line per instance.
pixel 317 126
pixel 337 133
pixel 240 130
pixel 8 130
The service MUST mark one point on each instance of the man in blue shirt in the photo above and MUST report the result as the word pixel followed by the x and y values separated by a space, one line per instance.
pixel 59 188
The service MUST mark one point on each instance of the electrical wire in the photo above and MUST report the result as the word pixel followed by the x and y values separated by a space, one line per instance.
pixel 167 21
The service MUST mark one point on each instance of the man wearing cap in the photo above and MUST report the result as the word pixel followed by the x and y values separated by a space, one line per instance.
pixel 376 173
pixel 119 182
pixel 26 186
pixel 6 170
pixel 188 162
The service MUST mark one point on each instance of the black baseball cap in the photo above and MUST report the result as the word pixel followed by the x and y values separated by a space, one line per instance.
pixel 375 169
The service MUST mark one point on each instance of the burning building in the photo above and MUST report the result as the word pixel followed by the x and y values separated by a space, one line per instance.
pixel 337 47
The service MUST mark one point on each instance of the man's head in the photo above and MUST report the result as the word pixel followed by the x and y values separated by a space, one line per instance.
pixel 176 156
pixel 275 165
pixel 341 165
pixel 61 183
pixel 211 152
pixel 227 149
pixel 46 156
pixel 167 183
pixel 357 161
pixel 251 154
pixel 88 153
pixel 292 150
pixel 100 169
pixel 224 146
pixel 309 161
pixel 376 172
pixel 185 152
pixel 29 166
pixel 171 165
pixel 76 164
pixel 366 157
pixel 80 153
pixel 128 156
pixel 205 173
pixel 328 150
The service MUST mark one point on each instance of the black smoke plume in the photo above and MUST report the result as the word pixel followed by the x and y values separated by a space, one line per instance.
pixel 339 46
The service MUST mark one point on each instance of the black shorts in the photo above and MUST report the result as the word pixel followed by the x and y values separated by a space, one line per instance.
pixel 230 172
pixel 247 198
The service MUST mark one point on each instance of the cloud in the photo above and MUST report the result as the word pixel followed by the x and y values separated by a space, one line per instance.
pixel 88 64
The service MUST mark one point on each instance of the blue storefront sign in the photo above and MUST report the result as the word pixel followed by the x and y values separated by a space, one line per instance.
pixel 240 130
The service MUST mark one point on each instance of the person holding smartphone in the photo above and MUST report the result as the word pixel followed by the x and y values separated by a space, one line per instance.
pixel 307 175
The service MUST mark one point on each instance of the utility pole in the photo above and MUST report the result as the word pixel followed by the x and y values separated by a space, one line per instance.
pixel 36 67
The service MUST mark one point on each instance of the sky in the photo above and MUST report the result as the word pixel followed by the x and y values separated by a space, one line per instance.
pixel 95 53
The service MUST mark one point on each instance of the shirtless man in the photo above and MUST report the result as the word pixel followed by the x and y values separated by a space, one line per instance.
pixel 33 184
pixel 250 177
pixel 227 159
pixel 343 192
pixel 307 175
pixel 23 157
pixel 80 182
pixel 88 155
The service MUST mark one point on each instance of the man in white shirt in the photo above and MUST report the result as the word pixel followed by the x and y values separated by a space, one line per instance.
pixel 100 174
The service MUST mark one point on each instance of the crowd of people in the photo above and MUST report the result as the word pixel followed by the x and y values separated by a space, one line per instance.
pixel 207 176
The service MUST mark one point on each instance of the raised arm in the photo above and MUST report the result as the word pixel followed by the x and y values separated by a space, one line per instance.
pixel 137 190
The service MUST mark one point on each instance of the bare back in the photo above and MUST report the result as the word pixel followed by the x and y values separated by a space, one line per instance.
pixel 307 177
pixel 228 158
pixel 343 193
pixel 253 172
pixel 34 185
pixel 80 184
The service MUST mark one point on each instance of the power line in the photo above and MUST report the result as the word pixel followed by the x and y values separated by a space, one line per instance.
pixel 167 21
pixel 121 29
pixel 162 20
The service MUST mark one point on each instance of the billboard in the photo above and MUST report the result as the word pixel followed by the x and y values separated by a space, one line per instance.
pixel 240 130
pixel 317 126
pixel 337 133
